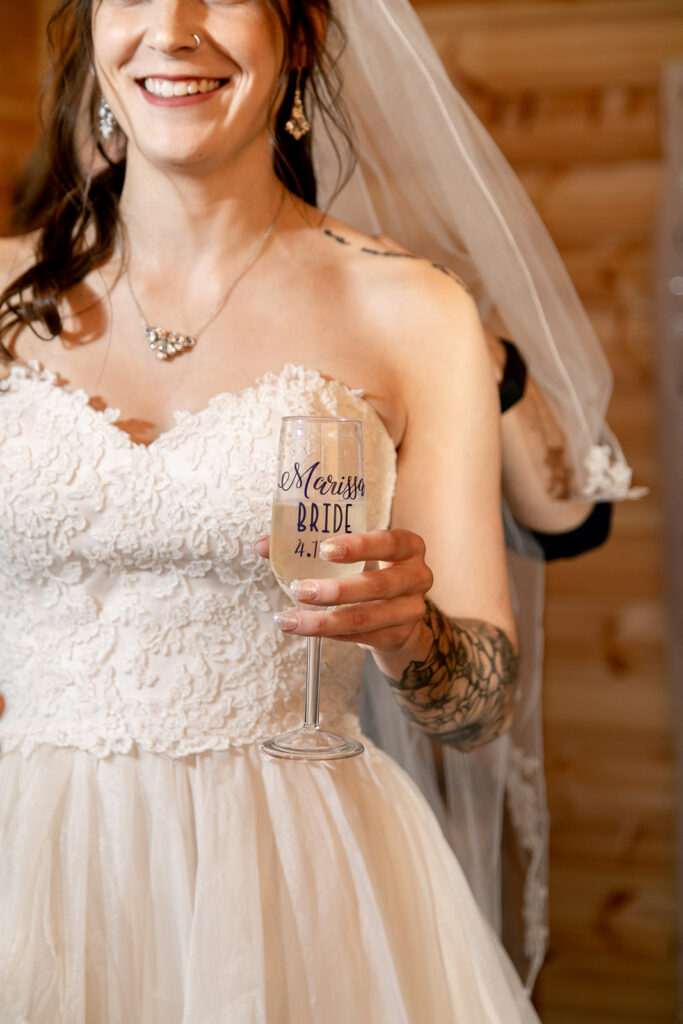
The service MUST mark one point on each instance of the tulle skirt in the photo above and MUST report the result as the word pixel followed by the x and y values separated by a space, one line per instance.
pixel 223 887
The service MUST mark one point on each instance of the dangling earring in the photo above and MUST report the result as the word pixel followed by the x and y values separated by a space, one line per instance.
pixel 106 122
pixel 297 125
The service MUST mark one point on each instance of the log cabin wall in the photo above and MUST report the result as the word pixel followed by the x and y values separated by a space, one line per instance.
pixel 22 27
pixel 570 93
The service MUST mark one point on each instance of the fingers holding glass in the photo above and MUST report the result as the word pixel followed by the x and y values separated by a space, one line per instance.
pixel 388 546
pixel 387 625
pixel 380 609
pixel 412 576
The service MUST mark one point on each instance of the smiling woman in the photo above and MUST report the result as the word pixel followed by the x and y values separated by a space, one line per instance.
pixel 156 866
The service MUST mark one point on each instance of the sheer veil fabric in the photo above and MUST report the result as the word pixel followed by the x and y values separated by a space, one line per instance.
pixel 430 176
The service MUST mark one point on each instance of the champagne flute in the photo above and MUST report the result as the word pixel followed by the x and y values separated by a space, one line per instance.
pixel 319 493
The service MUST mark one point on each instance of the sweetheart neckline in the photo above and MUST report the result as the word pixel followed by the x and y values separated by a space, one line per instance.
pixel 110 415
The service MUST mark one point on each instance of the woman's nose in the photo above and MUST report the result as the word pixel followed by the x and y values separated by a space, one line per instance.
pixel 172 25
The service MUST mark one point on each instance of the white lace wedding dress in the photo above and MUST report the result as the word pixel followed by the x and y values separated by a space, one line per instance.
pixel 154 868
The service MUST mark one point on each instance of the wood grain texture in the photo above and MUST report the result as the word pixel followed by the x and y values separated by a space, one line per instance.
pixel 22 30
pixel 509 49
pixel 556 128
pixel 570 91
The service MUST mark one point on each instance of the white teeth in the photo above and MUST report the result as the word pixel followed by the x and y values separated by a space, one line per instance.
pixel 187 87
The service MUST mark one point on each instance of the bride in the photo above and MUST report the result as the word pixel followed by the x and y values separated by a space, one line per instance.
pixel 185 288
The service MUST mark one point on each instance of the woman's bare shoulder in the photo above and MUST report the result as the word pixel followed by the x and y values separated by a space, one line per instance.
pixel 410 295
pixel 377 271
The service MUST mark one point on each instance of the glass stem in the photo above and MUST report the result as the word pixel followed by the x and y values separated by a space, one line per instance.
pixel 313 655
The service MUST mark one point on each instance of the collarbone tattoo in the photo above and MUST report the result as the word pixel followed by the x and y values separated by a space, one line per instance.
pixel 394 254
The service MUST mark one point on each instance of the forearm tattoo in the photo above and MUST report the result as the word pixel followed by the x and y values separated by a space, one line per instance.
pixel 460 693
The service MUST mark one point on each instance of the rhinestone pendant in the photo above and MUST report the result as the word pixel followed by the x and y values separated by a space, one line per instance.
pixel 167 344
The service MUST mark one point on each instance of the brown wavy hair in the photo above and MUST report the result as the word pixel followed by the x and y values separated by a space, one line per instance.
pixel 72 184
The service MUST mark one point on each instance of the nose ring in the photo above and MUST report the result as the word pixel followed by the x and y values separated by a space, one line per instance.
pixel 197 40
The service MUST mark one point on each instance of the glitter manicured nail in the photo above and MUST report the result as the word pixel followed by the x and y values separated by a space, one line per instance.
pixel 304 590
pixel 332 549
pixel 286 621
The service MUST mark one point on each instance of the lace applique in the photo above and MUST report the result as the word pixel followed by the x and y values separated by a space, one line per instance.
pixel 608 475
pixel 530 820
pixel 137 611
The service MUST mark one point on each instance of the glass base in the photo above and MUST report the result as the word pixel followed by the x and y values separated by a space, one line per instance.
pixel 310 743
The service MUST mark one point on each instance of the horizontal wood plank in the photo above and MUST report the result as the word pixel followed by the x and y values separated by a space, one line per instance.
pixel 606 125
pixel 550 46
pixel 596 203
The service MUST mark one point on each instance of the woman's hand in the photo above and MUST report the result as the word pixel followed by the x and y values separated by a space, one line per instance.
pixel 453 678
pixel 382 608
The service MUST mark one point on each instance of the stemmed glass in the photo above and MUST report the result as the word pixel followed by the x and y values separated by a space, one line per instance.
pixel 319 494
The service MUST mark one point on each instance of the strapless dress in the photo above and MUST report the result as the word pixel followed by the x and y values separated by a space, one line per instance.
pixel 155 868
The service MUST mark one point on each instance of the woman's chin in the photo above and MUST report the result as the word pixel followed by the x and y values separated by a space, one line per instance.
pixel 175 156
pixel 199 153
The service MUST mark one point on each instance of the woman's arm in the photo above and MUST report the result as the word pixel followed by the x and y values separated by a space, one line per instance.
pixel 452 660
pixel 536 472
pixel 460 693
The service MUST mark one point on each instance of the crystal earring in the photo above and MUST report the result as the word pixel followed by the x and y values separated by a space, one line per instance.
pixel 298 124
pixel 106 122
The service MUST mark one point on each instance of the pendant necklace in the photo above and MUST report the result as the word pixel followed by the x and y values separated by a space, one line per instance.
pixel 166 344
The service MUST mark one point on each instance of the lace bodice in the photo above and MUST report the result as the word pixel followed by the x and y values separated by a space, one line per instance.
pixel 134 610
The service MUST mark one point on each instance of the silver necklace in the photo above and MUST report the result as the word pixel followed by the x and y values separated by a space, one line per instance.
pixel 166 344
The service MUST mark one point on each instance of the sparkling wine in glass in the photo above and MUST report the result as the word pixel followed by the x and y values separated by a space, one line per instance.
pixel 319 494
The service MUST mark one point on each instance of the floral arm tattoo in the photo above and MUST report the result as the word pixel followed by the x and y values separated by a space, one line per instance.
pixel 460 693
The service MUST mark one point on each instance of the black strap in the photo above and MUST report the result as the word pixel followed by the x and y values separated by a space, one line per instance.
pixel 589 534
pixel 511 387
pixel 594 530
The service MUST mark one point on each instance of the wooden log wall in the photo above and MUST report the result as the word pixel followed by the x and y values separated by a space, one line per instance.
pixel 570 93
pixel 22 28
